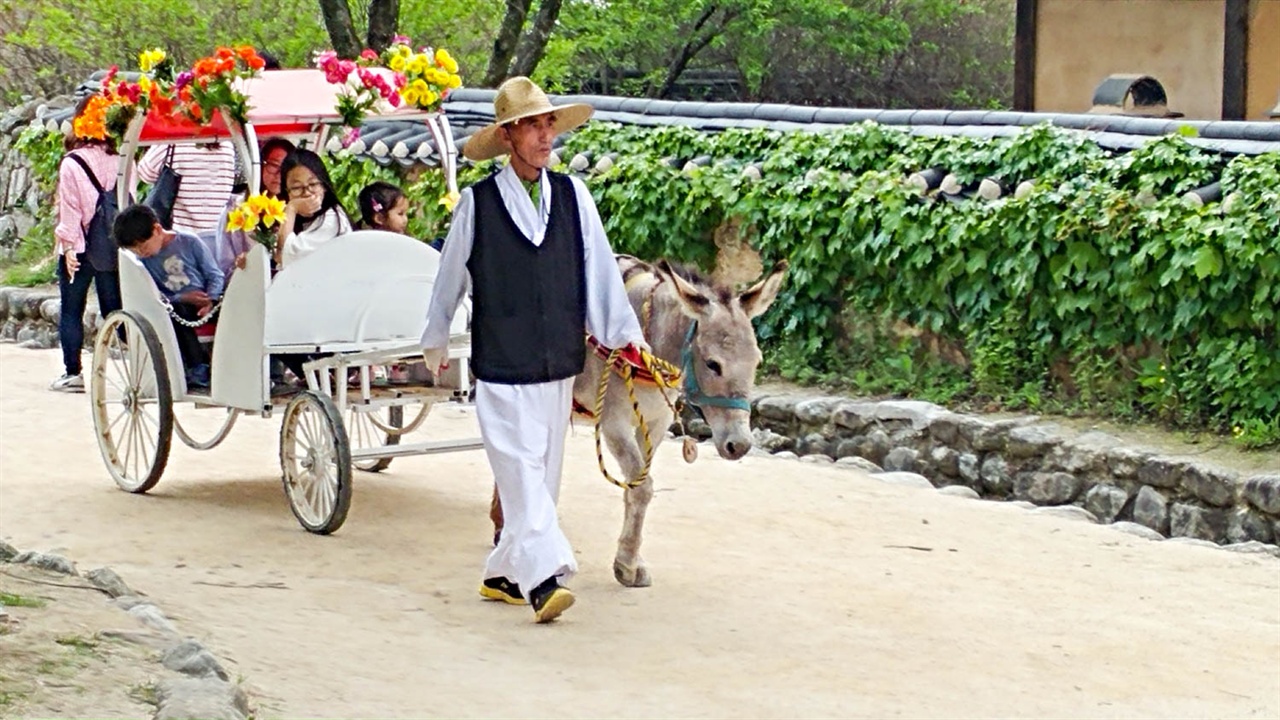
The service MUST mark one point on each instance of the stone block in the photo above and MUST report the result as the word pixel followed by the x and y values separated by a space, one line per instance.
pixel 1193 521
pixel 1160 473
pixel 816 412
pixel 945 461
pixel 1124 463
pixel 854 416
pixel 1151 509
pixel 901 459
pixel 1247 524
pixel 1212 485
pixel 814 444
pixel 1263 492
pixel 1046 488
pixel 968 468
pixel 996 479
pixel 1106 502
pixel 1033 441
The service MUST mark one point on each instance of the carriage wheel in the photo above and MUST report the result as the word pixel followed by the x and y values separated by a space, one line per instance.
pixel 315 456
pixel 363 431
pixel 132 401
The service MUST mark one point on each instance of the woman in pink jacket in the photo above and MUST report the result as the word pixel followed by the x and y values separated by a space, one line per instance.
pixel 77 200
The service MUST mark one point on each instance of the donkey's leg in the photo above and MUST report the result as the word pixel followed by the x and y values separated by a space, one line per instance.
pixel 628 566
pixel 495 515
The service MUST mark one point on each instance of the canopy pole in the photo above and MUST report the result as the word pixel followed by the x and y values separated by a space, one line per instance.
pixel 124 169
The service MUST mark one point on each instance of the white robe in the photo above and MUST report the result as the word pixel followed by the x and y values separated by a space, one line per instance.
pixel 524 426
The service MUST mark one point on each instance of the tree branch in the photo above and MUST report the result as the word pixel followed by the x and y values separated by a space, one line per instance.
pixel 342 31
pixel 504 45
pixel 693 46
pixel 534 43
pixel 384 19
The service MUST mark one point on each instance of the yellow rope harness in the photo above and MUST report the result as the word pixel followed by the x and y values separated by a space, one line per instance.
pixel 665 376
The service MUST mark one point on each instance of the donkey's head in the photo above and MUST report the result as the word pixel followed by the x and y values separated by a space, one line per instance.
pixel 720 353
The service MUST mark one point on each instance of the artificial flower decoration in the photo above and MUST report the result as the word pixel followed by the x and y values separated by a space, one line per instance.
pixel 213 82
pixel 418 79
pixel 258 216
pixel 362 91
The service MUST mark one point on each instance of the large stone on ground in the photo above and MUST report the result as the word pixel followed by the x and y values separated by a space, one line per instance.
pixel 995 476
pixel 969 469
pixel 1160 473
pixel 1263 492
pixel 816 412
pixel 1046 488
pixel 1106 502
pixel 1033 441
pixel 1192 521
pixel 901 459
pixel 1151 509
pixel 1214 486
pixel 1246 524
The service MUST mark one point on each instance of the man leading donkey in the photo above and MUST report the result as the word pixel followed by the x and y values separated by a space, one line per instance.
pixel 531 244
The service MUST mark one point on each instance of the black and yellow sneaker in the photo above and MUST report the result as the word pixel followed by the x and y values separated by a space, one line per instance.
pixel 500 588
pixel 550 600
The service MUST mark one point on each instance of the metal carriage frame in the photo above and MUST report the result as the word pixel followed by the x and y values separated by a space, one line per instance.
pixel 355 304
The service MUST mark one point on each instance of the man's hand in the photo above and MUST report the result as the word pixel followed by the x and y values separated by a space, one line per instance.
pixel 436 359
pixel 642 345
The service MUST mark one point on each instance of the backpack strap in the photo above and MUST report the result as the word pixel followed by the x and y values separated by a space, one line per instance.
pixel 92 178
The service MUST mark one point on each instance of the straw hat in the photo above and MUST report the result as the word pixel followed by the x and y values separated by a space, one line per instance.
pixel 519 98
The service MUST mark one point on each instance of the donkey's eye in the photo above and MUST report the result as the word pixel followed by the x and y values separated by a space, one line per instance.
pixel 713 366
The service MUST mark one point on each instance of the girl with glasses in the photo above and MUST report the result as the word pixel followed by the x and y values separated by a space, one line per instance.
pixel 313 213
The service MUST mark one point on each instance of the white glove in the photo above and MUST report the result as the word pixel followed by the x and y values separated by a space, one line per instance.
pixel 436 359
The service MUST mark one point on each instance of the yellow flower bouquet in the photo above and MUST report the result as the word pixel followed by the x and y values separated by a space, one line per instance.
pixel 258 217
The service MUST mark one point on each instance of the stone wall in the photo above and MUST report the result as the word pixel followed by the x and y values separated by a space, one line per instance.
pixel 29 317
pixel 1028 460
pixel 20 199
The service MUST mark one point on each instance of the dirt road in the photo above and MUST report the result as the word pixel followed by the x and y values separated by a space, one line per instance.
pixel 781 588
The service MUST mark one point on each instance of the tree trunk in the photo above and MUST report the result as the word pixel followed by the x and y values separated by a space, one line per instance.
pixel 384 20
pixel 504 46
pixel 698 39
pixel 534 43
pixel 342 31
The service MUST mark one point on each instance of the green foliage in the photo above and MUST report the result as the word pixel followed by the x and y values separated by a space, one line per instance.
pixel 1099 291
pixel 33 263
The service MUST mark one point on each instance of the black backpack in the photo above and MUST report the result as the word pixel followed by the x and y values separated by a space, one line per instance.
pixel 99 245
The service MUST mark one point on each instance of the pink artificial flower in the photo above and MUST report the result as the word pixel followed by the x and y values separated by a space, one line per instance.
pixel 401 81
pixel 352 135
pixel 368 54
pixel 184 78
pixel 399 39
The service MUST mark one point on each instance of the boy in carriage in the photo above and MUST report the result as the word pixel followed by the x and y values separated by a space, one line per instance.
pixel 186 274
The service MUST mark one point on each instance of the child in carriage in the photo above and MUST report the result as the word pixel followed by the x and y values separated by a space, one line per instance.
pixel 186 274
pixel 383 206
pixel 313 213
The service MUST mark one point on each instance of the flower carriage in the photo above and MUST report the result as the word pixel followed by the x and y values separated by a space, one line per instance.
pixel 356 304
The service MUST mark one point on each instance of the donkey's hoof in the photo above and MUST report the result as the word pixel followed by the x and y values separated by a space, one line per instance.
pixel 637 576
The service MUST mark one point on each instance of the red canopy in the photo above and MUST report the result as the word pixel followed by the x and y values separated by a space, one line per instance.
pixel 281 102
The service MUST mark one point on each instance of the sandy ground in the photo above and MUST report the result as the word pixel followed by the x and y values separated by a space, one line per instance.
pixel 781 589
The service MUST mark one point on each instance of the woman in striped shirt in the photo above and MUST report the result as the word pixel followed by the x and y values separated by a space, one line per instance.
pixel 208 172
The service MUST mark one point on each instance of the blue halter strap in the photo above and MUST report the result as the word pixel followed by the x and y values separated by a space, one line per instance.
pixel 693 392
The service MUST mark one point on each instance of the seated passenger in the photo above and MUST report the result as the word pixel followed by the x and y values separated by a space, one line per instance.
pixel 233 244
pixel 383 206
pixel 186 274
pixel 313 213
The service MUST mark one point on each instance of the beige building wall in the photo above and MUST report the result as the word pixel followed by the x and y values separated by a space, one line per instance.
pixel 1179 42
pixel 1264 59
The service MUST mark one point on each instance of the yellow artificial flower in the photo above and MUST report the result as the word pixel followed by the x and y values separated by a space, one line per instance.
pixel 446 61
pixel 450 199
pixel 273 213
pixel 410 96
pixel 420 86
pixel 397 63
pixel 235 220
pixel 419 64
pixel 404 51
pixel 257 204
pixel 148 59
pixel 455 81
pixel 429 98
pixel 144 84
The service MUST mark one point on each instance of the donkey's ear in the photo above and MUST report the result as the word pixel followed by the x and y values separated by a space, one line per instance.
pixel 692 299
pixel 756 299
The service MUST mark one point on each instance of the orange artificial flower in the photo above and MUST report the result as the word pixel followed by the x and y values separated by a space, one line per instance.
pixel 224 53
pixel 205 66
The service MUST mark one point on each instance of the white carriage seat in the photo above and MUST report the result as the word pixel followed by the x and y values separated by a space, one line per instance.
pixel 140 295
pixel 365 290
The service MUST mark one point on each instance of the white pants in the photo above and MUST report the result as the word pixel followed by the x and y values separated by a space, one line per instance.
pixel 524 427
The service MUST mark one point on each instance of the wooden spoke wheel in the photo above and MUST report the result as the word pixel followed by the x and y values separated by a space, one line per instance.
pixel 132 401
pixel 315 456
pixel 369 429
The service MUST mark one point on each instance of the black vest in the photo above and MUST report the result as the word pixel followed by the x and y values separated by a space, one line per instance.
pixel 529 302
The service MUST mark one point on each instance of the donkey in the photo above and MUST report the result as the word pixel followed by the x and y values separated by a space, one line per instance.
pixel 703 328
